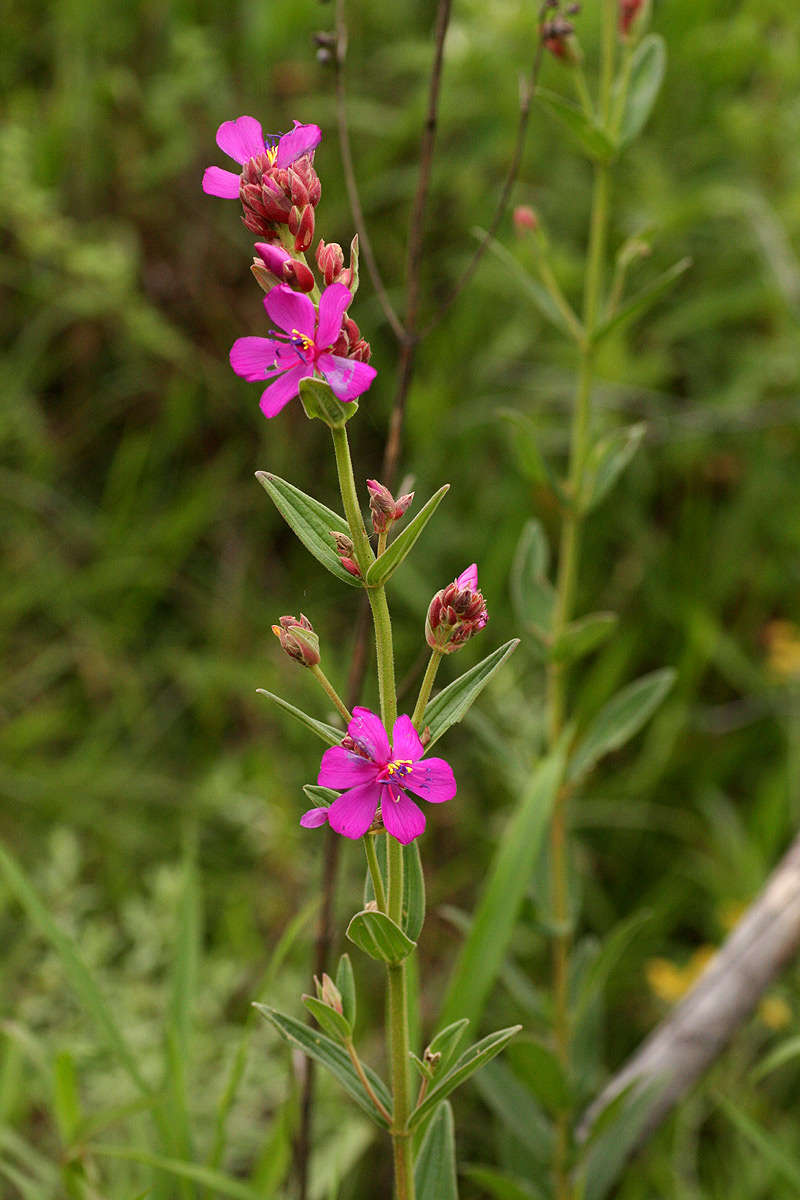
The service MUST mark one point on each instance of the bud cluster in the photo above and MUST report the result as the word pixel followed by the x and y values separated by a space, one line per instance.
pixel 384 508
pixel 298 639
pixel 456 613
pixel 273 196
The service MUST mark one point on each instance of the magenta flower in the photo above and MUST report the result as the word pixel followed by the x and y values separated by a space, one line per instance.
pixel 303 347
pixel 243 139
pixel 375 773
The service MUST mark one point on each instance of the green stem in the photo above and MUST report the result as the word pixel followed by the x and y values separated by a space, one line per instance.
pixel 330 692
pixel 362 1075
pixel 375 871
pixel 352 510
pixel 425 689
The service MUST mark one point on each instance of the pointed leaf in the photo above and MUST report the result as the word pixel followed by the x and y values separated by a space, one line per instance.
pixel 598 972
pixel 485 948
pixel 770 1150
pixel 320 796
pixel 447 1039
pixel 379 937
pixel 784 1052
pixel 413 886
pixel 648 65
pixel 614 1138
pixel 469 1062
pixel 543 1075
pixel 320 403
pixel 331 1055
pixel 385 566
pixel 642 300
pixel 525 444
pixel 608 459
pixel 454 701
pixel 311 521
pixel 327 732
pixel 435 1168
pixel 333 1022
pixel 587 133
pixel 532 594
pixel 207 1177
pixel 584 635
pixel 347 988
pixel 619 720
pixel 517 1108
pixel 537 292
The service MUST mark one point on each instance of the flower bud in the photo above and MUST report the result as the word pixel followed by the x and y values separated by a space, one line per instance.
pixel 298 639
pixel 557 36
pixel 275 265
pixel 456 613
pixel 301 224
pixel 328 993
pixel 383 506
pixel 525 219
pixel 344 548
pixel 633 16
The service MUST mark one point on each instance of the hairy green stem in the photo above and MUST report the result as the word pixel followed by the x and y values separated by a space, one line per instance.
pixel 425 689
pixel 362 551
pixel 330 692
pixel 375 871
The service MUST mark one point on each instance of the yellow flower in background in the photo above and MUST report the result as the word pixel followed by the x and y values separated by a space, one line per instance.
pixel 783 649
pixel 775 1012
pixel 669 982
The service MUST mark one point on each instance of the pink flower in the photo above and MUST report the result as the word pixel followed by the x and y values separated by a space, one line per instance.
pixel 302 348
pixel 243 139
pixel 375 773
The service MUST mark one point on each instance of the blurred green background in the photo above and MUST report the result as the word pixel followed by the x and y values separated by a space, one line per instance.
pixel 143 566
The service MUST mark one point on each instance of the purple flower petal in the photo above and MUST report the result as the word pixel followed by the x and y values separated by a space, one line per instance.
pixel 290 311
pixel 217 182
pixel 405 740
pixel 468 578
pixel 273 256
pixel 352 814
pixel 241 139
pixel 333 304
pixel 252 357
pixel 299 141
pixel 341 769
pixel 314 818
pixel 347 377
pixel 401 816
pixel 433 779
pixel 366 730
pixel 284 389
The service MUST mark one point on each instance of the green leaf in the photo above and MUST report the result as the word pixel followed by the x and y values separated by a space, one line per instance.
pixel 613 1140
pixel 454 701
pixel 435 1168
pixel 384 567
pixel 619 720
pixel 517 1109
pixel 647 69
pixel 769 1149
pixel 587 133
pixel 78 974
pixel 608 459
pixel 642 300
pixel 207 1177
pixel 469 1062
pixel 537 292
pixel 413 886
pixel 331 1056
pixel 447 1039
pixel 525 444
pixel 327 732
pixel 347 988
pixel 311 521
pixel 597 974
pixel 320 796
pixel 542 1073
pixel 503 1186
pixel 782 1053
pixel 509 876
pixel 582 636
pixel 532 594
pixel 66 1100
pixel 329 1019
pixel 379 937
pixel 319 402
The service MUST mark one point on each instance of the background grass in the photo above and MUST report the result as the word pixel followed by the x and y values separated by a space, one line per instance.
pixel 143 566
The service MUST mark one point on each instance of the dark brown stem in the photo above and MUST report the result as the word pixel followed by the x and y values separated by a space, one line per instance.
pixel 364 243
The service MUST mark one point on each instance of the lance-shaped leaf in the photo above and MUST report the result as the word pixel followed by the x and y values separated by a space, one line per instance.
pixel 532 593
pixel 648 65
pixel 643 299
pixel 385 566
pixel 327 732
pixel 447 1039
pixel 321 796
pixel 379 937
pixel 311 521
pixel 582 636
pixel 608 459
pixel 457 698
pixel 587 133
pixel 413 886
pixel 334 1023
pixel 619 720
pixel 327 1052
pixel 554 308
pixel 469 1062
pixel 435 1167
pixel 319 402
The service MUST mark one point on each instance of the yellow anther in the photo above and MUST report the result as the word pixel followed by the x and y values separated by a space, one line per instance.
pixel 305 342
pixel 272 154
pixel 397 764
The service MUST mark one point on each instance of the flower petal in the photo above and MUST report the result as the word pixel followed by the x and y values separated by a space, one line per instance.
pixel 241 139
pixel 252 357
pixel 314 818
pixel 299 141
pixel 341 769
pixel 290 310
pixel 333 304
pixel 366 730
pixel 273 256
pixel 433 779
pixel 347 377
pixel 352 814
pixel 405 740
pixel 217 182
pixel 284 389
pixel 402 817
pixel 468 578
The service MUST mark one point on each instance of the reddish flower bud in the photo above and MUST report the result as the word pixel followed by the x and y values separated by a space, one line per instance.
pixel 344 548
pixel 383 506
pixel 350 343
pixel 301 224
pixel 456 613
pixel 274 265
pixel 298 639
pixel 557 37
pixel 525 219
pixel 328 993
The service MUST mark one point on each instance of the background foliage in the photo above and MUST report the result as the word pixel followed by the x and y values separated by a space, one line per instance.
pixel 152 796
